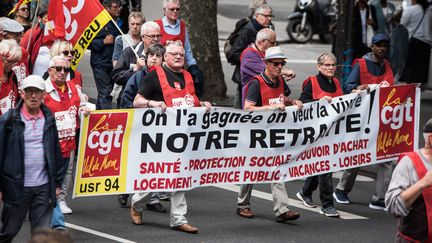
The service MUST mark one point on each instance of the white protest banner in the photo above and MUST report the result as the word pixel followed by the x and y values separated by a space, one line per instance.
pixel 125 151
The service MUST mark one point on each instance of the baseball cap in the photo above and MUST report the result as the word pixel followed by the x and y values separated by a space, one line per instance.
pixel 10 25
pixel 380 37
pixel 274 53
pixel 33 81
pixel 428 127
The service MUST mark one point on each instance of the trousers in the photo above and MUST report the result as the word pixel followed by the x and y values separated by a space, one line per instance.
pixel 279 193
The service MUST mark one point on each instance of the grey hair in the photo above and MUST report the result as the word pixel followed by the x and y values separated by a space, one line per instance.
pixel 149 25
pixel 11 46
pixel 255 4
pixel 325 55
pixel 156 48
pixel 264 34
pixel 173 43
pixel 55 59
pixel 166 2
pixel 260 9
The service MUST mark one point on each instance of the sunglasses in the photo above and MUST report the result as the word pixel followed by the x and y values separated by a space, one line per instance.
pixel 172 9
pixel 24 9
pixel 278 63
pixel 66 53
pixel 59 68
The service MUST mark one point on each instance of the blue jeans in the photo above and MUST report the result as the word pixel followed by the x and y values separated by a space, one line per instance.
pixel 104 86
pixel 57 220
pixel 36 201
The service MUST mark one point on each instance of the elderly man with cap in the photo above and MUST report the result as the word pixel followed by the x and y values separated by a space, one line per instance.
pixel 371 70
pixel 266 91
pixel 31 165
pixel 409 196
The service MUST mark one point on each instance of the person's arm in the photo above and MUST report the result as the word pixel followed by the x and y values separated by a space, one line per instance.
pixel 118 48
pixel 131 90
pixel 353 80
pixel 190 60
pixel 142 102
pixel 306 95
pixel 122 71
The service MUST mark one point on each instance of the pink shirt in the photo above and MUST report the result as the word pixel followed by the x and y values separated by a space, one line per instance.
pixel 35 172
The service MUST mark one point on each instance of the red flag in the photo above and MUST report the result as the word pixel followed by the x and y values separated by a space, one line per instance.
pixel 77 21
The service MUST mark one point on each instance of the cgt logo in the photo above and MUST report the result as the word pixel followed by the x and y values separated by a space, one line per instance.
pixel 395 110
pixel 105 134
pixel 102 155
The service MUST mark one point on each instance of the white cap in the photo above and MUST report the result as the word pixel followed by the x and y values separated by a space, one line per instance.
pixel 33 81
pixel 10 25
pixel 274 53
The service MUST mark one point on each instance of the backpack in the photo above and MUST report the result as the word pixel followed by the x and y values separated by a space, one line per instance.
pixel 233 36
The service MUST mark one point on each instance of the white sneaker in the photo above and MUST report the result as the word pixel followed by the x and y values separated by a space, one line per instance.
pixel 64 208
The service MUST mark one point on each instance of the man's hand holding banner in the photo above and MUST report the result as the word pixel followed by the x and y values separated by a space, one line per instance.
pixel 126 151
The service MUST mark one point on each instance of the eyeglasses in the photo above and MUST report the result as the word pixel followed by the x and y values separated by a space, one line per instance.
pixel 327 65
pixel 276 64
pixel 173 9
pixel 176 54
pixel 24 9
pixel 59 68
pixel 267 15
pixel 273 43
pixel 152 36
pixel 66 53
pixel 116 6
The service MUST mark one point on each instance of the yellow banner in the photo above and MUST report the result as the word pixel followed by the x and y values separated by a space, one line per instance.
pixel 88 35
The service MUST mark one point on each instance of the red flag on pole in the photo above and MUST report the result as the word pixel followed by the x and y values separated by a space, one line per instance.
pixel 76 21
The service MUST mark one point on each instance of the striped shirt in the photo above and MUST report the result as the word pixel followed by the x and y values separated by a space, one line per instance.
pixel 35 172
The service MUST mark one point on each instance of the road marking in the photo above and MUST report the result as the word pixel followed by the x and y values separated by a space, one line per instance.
pixel 293 202
pixel 94 232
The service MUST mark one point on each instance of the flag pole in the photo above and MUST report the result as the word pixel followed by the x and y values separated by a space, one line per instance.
pixel 127 40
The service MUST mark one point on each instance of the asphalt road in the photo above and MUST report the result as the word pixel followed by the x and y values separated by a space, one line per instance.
pixel 212 209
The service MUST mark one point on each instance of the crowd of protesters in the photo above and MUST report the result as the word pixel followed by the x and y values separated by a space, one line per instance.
pixel 150 64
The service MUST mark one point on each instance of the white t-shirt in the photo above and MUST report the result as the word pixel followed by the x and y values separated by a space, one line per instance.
pixel 42 61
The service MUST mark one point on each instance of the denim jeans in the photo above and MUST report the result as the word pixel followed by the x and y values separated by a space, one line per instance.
pixel 57 220
pixel 36 201
pixel 104 86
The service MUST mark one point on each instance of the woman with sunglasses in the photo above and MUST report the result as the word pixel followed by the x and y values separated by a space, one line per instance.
pixel 22 16
pixel 321 86
pixel 10 54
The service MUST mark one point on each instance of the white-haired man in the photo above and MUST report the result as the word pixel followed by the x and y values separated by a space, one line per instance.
pixel 159 89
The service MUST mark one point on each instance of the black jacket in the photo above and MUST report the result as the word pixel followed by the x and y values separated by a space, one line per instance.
pixel 12 154
pixel 122 71
pixel 359 49
pixel 101 54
